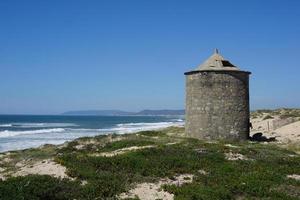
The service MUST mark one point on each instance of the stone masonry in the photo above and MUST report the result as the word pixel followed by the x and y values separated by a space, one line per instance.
pixel 217 101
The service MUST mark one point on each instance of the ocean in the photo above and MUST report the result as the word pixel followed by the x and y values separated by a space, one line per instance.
pixel 27 131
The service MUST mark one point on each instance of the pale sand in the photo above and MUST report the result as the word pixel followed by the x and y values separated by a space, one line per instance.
pixel 231 146
pixel 150 191
pixel 203 172
pixel 83 143
pixel 45 167
pixel 2 176
pixel 294 176
pixel 289 133
pixel 171 143
pixel 122 151
pixel 2 169
pixel 5 160
pixel 259 124
pixel 235 156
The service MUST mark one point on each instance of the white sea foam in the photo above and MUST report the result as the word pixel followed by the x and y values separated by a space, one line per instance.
pixel 20 144
pixel 8 133
pixel 135 127
pixel 6 125
pixel 34 138
pixel 69 132
pixel 145 124
pixel 38 125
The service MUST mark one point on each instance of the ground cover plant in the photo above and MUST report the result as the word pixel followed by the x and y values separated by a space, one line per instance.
pixel 260 174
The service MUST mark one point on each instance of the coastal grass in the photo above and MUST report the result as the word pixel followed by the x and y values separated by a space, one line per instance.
pixel 39 187
pixel 268 117
pixel 28 156
pixel 282 113
pixel 262 175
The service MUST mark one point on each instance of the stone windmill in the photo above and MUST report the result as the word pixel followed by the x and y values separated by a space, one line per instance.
pixel 217 100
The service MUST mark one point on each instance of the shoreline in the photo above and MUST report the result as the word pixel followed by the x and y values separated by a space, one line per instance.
pixel 45 163
pixel 18 135
pixel 97 135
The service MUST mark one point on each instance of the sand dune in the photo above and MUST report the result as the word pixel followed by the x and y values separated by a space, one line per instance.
pixel 285 130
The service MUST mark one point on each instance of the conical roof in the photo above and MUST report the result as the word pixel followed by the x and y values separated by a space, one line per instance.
pixel 216 62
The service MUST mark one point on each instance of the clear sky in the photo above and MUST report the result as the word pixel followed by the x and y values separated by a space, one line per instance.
pixel 61 55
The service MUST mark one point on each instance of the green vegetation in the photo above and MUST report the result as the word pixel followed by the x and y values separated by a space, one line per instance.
pixel 30 155
pixel 283 113
pixel 125 143
pixel 261 176
pixel 264 111
pixel 288 115
pixel 268 117
pixel 35 187
pixel 153 133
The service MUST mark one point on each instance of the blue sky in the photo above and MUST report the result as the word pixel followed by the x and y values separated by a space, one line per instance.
pixel 62 55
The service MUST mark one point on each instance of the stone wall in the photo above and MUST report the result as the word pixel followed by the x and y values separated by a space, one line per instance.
pixel 217 104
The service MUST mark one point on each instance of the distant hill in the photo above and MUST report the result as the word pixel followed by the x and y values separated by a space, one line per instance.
pixel 99 112
pixel 123 113
pixel 161 112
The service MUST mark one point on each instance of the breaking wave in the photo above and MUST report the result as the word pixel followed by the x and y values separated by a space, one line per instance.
pixel 135 127
pixel 8 133
pixel 6 125
pixel 43 133
pixel 119 129
pixel 37 125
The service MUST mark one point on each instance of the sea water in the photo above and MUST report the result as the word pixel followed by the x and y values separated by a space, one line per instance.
pixel 26 131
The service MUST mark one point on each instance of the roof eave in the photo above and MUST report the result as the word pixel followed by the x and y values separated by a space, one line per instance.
pixel 227 71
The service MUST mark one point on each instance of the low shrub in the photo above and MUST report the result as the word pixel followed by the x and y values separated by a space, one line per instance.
pixel 152 133
pixel 125 143
pixel 265 169
pixel 268 117
pixel 35 187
